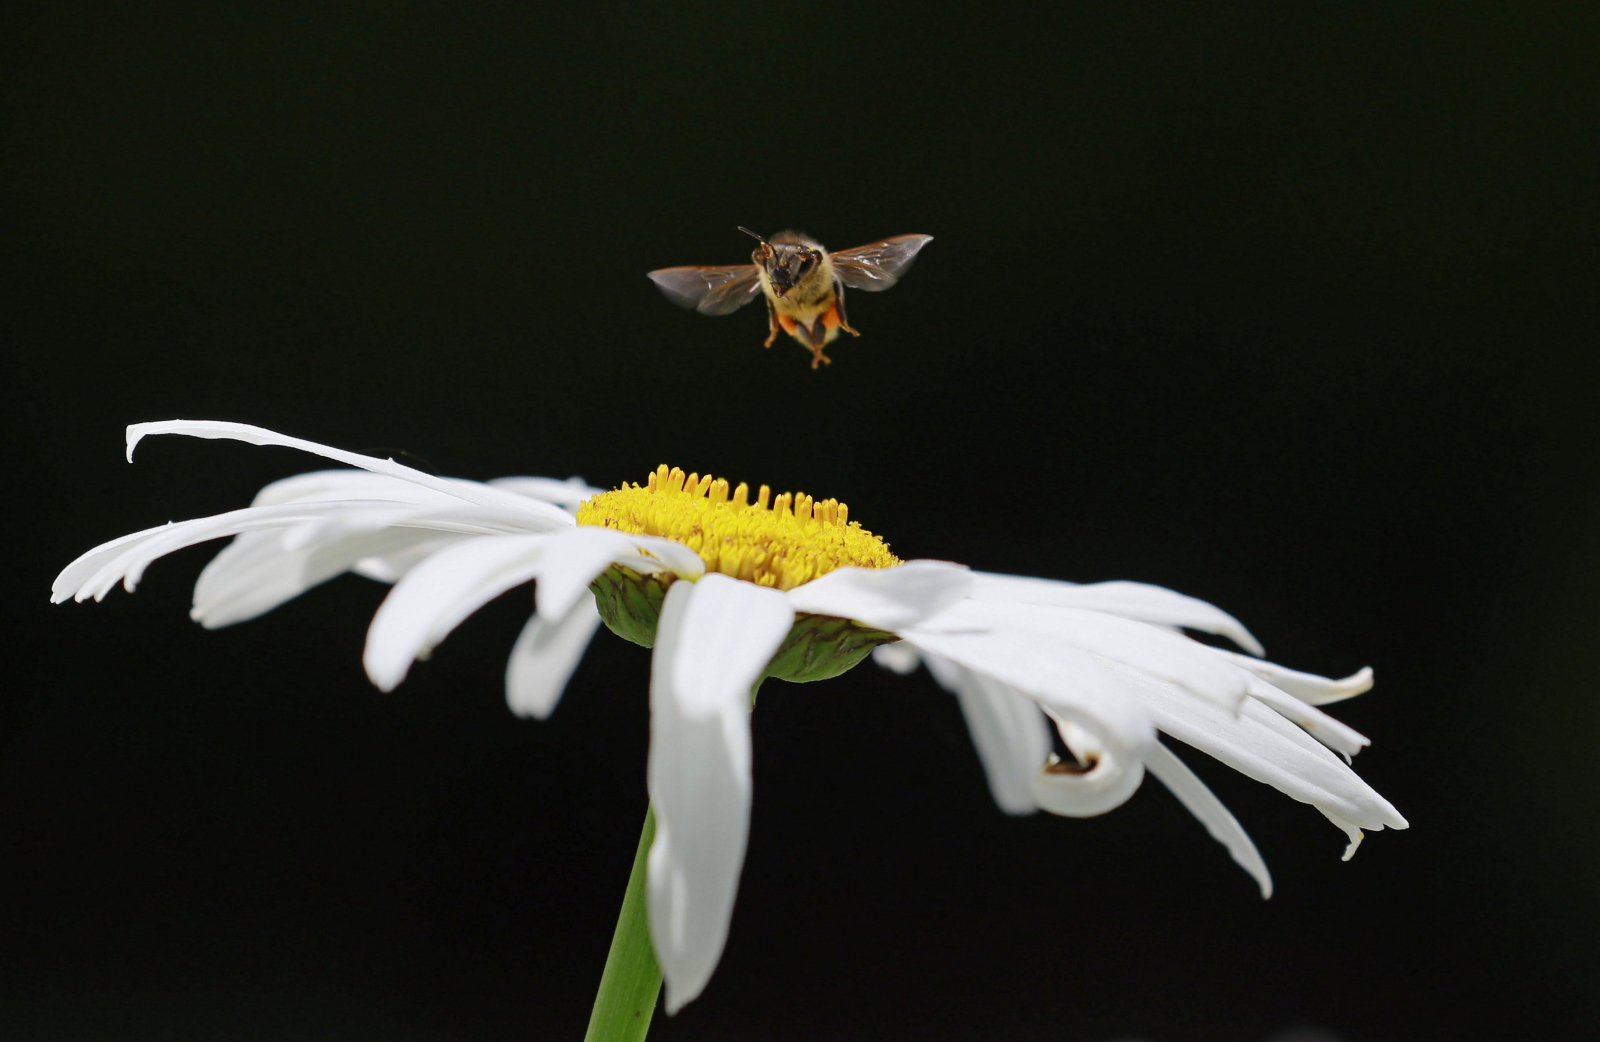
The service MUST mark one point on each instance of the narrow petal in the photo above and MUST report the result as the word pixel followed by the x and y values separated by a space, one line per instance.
pixel 471 492
pixel 1349 829
pixel 436 596
pixel 327 486
pixel 1259 743
pixel 887 598
pixel 257 571
pixel 1203 804
pixel 1336 735
pixel 1307 687
pixel 1007 728
pixel 544 656
pixel 1139 601
pixel 1067 680
pixel 1102 778
pixel 1142 647
pixel 124 560
pixel 714 640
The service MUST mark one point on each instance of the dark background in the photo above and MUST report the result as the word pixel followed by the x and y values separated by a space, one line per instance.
pixel 1290 307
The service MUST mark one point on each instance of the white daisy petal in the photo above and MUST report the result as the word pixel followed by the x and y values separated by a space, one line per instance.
pixel 389 567
pixel 887 598
pixel 1146 648
pixel 568 493
pixel 1336 735
pixel 124 560
pixel 1070 683
pixel 1139 601
pixel 334 485
pixel 544 656
pixel 257 571
pixel 471 492
pixel 434 597
pixel 1007 728
pixel 1349 829
pixel 1102 779
pixel 713 641
pixel 576 556
pixel 1203 804
pixel 1307 687
pixel 1261 744
pixel 667 555
pixel 261 569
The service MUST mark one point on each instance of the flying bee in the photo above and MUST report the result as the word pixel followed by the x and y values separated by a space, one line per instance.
pixel 804 284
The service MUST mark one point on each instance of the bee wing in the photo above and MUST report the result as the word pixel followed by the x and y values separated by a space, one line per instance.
pixel 709 290
pixel 878 265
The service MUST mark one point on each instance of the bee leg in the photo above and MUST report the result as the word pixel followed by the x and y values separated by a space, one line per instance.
pixel 838 305
pixel 818 357
pixel 772 325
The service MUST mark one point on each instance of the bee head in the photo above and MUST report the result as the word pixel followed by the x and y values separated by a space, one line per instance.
pixel 786 261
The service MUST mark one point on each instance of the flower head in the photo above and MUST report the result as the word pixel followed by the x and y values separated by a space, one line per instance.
pixel 728 592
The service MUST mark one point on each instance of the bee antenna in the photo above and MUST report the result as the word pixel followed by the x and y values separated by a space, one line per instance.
pixel 753 235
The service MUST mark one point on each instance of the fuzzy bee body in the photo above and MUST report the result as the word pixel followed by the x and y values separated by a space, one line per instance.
pixel 802 282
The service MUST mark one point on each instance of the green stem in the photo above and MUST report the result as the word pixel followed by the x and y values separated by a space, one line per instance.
pixel 632 980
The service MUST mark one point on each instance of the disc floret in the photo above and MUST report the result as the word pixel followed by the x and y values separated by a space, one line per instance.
pixel 779 542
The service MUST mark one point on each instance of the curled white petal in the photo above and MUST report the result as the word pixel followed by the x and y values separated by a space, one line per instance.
pixel 544 656
pixel 713 641
pixel 1139 601
pixel 1086 689
pixel 1102 779
pixel 1203 804
pixel 471 492
pixel 1007 728
pixel 124 560
pixel 1307 687
pixel 887 598
pixel 1336 735
pixel 436 596
pixel 1350 829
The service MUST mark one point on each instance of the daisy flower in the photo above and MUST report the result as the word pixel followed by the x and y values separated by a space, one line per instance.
pixel 730 588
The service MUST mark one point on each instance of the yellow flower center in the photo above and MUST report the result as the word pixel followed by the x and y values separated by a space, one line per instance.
pixel 791 542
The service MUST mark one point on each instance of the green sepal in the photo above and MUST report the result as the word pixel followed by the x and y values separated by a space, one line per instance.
pixel 629 603
pixel 817 647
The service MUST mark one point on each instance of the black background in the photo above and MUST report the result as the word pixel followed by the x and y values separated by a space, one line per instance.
pixel 1289 307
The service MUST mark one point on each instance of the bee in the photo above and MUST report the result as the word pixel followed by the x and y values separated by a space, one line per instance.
pixel 804 284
